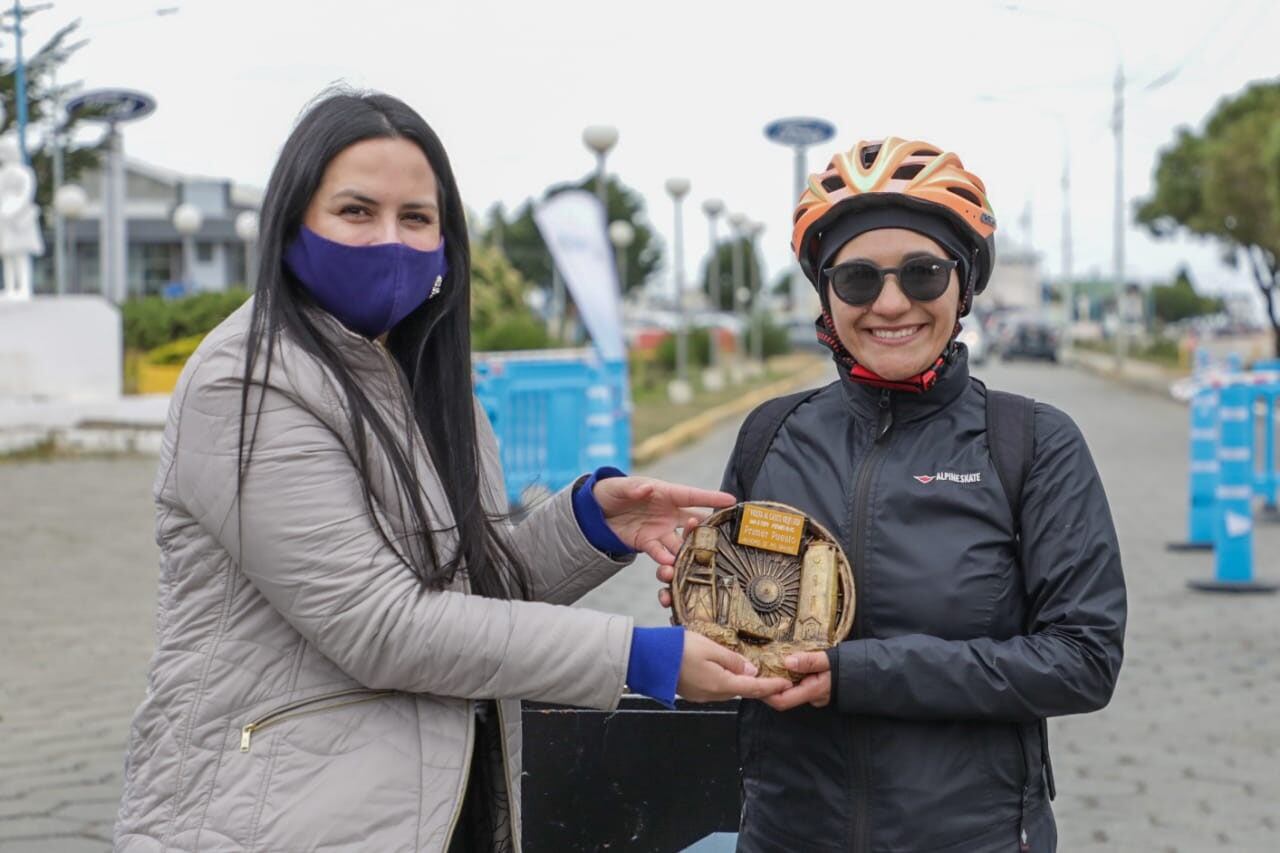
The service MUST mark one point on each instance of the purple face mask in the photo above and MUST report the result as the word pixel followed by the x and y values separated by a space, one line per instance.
pixel 368 288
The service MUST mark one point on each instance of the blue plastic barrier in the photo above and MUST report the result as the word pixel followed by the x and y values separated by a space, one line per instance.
pixel 1202 469
pixel 557 414
pixel 1234 400
pixel 1233 533
pixel 1202 473
pixel 1266 484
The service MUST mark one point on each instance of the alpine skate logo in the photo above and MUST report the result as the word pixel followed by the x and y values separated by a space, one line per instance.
pixel 948 477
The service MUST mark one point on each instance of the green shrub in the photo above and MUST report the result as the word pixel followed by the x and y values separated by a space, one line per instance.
pixel 776 341
pixel 147 323
pixel 154 321
pixel 699 350
pixel 1161 350
pixel 520 332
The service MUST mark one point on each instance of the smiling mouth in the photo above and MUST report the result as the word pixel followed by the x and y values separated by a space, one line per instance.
pixel 891 335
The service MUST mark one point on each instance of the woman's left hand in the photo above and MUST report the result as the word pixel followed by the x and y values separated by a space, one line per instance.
pixel 814 688
pixel 646 513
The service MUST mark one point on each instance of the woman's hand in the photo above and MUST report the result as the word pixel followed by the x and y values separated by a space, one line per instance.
pixel 709 673
pixel 645 513
pixel 814 688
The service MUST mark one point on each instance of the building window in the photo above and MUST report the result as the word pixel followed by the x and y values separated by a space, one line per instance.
pixel 204 253
pixel 151 267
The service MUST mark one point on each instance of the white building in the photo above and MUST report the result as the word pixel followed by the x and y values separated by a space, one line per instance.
pixel 1016 280
pixel 154 257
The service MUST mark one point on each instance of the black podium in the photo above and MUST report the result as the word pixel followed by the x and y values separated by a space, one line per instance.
pixel 639 778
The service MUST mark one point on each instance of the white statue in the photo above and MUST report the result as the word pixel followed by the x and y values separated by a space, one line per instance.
pixel 19 221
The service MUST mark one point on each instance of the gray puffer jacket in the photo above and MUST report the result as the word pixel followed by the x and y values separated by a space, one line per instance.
pixel 306 691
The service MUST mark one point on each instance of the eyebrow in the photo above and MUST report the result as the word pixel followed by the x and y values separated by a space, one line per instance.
pixel 364 199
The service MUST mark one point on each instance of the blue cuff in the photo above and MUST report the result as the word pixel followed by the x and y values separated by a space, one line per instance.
pixel 590 517
pixel 654 666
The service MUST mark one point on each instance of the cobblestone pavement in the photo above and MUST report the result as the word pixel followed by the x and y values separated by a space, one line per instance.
pixel 1184 759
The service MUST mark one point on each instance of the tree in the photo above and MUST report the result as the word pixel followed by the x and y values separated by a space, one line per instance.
pixel 44 100
pixel 1224 184
pixel 1179 300
pixel 527 252
pixel 500 316
pixel 724 252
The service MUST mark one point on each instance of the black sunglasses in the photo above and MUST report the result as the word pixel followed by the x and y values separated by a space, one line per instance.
pixel 922 279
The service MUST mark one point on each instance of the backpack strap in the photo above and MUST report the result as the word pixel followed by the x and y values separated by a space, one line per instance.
pixel 757 434
pixel 1011 438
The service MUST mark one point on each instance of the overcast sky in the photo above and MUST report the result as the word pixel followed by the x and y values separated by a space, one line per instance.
pixel 690 85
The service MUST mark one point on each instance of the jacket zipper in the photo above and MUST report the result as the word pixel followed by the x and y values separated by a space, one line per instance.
pixel 861 520
pixel 1050 786
pixel 354 696
pixel 1024 842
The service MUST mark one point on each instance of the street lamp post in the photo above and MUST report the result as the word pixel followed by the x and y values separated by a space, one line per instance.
pixel 713 207
pixel 59 226
pixel 799 134
pixel 247 231
pixel 621 235
pixel 69 203
pixel 113 107
pixel 1117 129
pixel 754 230
pixel 1117 126
pixel 601 138
pixel 679 391
pixel 738 223
pixel 187 220
pixel 18 12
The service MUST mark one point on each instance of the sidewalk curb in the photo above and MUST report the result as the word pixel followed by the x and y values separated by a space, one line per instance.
pixel 87 438
pixel 657 446
pixel 1152 379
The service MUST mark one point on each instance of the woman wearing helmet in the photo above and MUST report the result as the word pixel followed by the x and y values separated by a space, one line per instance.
pixel 983 606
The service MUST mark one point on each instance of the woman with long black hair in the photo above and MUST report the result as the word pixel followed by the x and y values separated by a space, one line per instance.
pixel 346 620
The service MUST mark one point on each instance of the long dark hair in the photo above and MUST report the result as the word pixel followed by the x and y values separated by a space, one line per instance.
pixel 431 347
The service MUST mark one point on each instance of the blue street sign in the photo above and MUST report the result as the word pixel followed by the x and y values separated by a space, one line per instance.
pixel 112 105
pixel 799 132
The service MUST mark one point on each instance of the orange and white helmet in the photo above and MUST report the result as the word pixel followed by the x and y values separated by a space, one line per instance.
pixel 905 174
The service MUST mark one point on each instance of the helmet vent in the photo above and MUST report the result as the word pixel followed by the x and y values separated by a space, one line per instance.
pixel 926 152
pixel 966 195
pixel 869 155
pixel 832 183
pixel 907 172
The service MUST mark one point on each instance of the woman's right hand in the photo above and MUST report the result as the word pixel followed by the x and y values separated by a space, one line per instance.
pixel 710 673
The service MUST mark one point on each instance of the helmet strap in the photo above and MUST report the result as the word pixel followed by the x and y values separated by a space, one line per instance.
pixel 918 384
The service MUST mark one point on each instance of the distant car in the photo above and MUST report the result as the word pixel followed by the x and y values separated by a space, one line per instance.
pixel 975 340
pixel 1030 337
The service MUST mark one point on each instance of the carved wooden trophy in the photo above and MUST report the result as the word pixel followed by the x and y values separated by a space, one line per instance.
pixel 764 580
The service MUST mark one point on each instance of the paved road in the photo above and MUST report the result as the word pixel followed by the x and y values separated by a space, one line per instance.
pixel 1184 759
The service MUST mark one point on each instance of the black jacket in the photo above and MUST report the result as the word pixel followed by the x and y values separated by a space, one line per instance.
pixel 969 629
